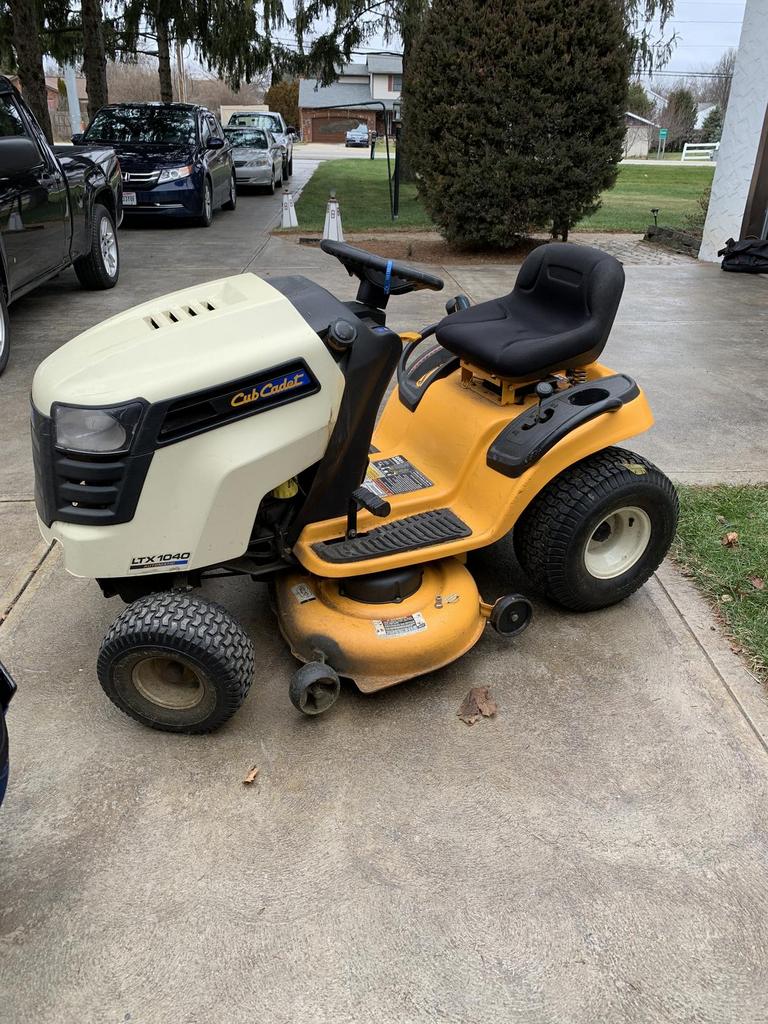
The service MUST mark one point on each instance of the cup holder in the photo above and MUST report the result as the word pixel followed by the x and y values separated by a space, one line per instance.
pixel 589 396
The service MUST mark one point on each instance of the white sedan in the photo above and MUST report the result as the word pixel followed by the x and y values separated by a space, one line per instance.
pixel 257 156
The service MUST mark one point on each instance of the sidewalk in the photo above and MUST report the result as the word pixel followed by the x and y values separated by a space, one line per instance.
pixel 596 852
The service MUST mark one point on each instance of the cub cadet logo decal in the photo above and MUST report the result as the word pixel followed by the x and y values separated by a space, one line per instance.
pixel 271 388
pixel 166 561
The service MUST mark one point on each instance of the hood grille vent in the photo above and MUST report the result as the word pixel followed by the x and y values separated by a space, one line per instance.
pixel 169 317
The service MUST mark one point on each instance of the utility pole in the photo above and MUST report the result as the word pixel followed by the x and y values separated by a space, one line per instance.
pixel 182 78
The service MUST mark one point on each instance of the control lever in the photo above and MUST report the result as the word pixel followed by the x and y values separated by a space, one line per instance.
pixel 456 304
pixel 371 502
pixel 543 390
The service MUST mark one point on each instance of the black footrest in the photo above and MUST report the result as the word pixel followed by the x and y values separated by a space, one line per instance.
pixel 419 531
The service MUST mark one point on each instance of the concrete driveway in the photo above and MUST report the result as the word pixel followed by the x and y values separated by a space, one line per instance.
pixel 596 852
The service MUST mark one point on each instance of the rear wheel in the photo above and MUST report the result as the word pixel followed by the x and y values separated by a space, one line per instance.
pixel 271 185
pixel 99 268
pixel 5 331
pixel 176 662
pixel 598 531
pixel 231 203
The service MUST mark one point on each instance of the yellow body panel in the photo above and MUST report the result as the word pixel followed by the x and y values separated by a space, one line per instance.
pixel 447 438
pixel 379 645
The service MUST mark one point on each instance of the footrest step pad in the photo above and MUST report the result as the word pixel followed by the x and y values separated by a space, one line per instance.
pixel 419 531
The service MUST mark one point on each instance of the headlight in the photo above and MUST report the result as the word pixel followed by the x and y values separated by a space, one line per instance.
pixel 96 431
pixel 259 161
pixel 174 173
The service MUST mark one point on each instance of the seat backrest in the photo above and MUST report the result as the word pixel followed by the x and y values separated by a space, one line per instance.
pixel 575 283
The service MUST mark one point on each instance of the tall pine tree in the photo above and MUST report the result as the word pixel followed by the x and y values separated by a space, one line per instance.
pixel 515 113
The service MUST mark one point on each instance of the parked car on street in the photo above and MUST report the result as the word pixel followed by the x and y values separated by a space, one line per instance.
pixel 58 208
pixel 174 158
pixel 273 122
pixel 359 136
pixel 7 690
pixel 258 157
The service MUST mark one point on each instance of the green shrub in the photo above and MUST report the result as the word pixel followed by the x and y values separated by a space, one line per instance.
pixel 514 114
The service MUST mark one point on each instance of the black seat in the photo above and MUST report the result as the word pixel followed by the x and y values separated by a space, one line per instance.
pixel 559 314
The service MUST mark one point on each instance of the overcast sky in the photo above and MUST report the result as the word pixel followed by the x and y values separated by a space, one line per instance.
pixel 705 29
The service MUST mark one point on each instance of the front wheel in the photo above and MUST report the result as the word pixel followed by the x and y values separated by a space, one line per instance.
pixel 99 268
pixel 598 531
pixel 176 662
pixel 206 217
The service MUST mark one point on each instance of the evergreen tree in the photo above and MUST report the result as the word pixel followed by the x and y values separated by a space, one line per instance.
pixel 639 102
pixel 283 97
pixel 515 114
pixel 679 117
pixel 712 129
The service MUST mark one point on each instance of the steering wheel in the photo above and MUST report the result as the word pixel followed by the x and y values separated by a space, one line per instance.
pixel 379 278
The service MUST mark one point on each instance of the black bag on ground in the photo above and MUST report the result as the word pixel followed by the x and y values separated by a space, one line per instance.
pixel 747 257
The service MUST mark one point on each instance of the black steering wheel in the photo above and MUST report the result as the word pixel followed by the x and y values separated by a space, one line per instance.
pixel 379 277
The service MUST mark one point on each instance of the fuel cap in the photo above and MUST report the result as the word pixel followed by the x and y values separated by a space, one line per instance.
pixel 342 334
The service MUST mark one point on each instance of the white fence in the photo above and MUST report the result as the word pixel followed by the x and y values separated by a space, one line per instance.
pixel 695 152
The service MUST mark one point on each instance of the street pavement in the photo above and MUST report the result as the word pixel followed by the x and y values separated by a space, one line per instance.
pixel 595 852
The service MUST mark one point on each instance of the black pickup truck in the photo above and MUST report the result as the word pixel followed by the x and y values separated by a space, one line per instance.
pixel 59 207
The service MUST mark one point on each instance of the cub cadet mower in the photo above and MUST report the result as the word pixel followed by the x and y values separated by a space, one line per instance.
pixel 228 429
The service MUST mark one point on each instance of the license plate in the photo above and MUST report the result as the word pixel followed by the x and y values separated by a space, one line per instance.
pixel 129 198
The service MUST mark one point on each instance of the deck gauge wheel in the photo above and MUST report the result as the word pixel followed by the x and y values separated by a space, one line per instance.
pixel 315 688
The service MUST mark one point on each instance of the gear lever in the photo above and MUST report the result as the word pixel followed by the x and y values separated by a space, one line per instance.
pixel 543 390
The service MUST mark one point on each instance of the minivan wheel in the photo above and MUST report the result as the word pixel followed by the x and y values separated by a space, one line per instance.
pixel 231 203
pixel 5 331
pixel 206 217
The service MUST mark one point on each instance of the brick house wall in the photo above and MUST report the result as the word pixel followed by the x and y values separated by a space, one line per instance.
pixel 308 113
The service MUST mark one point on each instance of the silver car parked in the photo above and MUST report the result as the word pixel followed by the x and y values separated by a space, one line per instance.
pixel 258 157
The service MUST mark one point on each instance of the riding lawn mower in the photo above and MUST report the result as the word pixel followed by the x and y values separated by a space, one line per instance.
pixel 229 429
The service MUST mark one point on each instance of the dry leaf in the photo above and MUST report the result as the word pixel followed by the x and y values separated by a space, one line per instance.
pixel 251 776
pixel 478 703
pixel 725 598
pixel 730 539
pixel 757 582
pixel 635 467
pixel 721 520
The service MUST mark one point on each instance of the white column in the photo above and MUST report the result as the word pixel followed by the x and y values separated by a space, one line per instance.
pixel 73 102
pixel 744 121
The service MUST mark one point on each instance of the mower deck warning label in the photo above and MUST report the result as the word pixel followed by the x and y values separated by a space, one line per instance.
pixel 402 626
pixel 396 475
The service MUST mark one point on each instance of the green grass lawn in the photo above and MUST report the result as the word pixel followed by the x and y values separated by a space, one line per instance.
pixel 363 194
pixel 734 576
pixel 627 206
pixel 361 188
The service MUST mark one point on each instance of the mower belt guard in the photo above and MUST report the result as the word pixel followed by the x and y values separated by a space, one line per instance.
pixel 420 531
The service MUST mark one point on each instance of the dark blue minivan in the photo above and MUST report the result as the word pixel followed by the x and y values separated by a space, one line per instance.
pixel 174 158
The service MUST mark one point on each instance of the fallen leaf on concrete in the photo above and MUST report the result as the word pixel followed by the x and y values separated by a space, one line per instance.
pixel 757 582
pixel 730 539
pixel 251 776
pixel 478 703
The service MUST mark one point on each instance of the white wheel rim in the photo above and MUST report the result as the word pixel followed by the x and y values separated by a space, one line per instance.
pixel 208 201
pixel 108 245
pixel 168 682
pixel 232 190
pixel 2 333
pixel 617 543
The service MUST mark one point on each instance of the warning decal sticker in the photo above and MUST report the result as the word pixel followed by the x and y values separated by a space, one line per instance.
pixel 303 593
pixel 400 627
pixel 397 475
